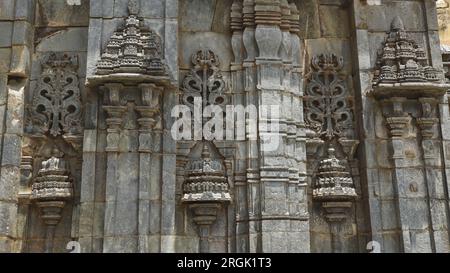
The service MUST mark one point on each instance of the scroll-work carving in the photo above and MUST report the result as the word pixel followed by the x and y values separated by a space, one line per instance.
pixel 204 80
pixel 56 105
pixel 327 111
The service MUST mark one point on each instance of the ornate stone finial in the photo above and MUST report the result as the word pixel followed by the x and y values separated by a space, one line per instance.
pixel 206 180
pixel 334 182
pixel 397 24
pixel 133 7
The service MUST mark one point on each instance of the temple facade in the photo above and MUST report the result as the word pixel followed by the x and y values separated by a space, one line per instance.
pixel 235 126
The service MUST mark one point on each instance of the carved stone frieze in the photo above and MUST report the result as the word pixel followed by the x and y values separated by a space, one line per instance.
pixel 56 106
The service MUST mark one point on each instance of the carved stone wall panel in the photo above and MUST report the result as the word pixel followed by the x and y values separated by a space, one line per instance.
pixel 56 105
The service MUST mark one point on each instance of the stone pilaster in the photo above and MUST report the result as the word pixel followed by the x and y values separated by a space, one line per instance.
pixel 16 22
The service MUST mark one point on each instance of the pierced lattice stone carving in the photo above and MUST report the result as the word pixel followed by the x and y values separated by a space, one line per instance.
pixel 56 105
pixel 205 80
pixel 327 111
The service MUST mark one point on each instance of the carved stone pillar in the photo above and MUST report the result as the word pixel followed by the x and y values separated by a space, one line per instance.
pixel 431 146
pixel 149 114
pixel 404 81
pixel 133 71
pixel 336 213
pixel 251 98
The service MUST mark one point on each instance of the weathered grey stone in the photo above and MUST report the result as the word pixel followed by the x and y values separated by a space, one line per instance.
pixel 5 39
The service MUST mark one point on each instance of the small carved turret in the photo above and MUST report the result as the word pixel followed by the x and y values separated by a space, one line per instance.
pixel 333 182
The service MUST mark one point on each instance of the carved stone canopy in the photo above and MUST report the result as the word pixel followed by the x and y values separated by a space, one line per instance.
pixel 333 182
pixel 403 69
pixel 206 179
pixel 134 53
pixel 53 181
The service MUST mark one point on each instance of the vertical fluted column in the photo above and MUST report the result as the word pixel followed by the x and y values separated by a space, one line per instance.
pixel 251 99
pixel 297 128
pixel 237 79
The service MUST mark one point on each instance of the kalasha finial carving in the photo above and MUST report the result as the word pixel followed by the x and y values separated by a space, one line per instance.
pixel 56 105
pixel 402 59
pixel 205 80
pixel 206 180
pixel 327 112
pixel 333 182
pixel 133 7
pixel 133 49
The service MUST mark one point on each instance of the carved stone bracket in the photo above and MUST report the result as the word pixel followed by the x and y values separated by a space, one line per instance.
pixel 428 120
pixel 397 120
pixel 336 214
pixel 205 214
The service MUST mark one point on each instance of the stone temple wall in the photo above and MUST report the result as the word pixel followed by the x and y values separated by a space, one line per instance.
pixel 88 156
